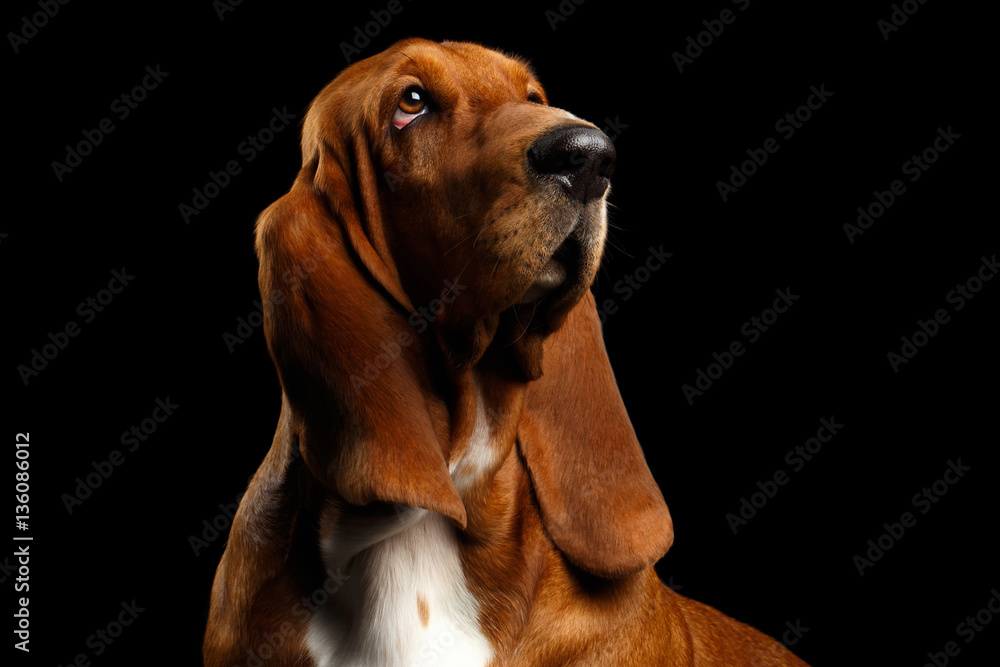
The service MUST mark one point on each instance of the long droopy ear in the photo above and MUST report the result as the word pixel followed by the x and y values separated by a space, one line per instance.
pixel 598 499
pixel 352 367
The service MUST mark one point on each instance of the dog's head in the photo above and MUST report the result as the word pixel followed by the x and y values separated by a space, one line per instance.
pixel 465 179
pixel 446 218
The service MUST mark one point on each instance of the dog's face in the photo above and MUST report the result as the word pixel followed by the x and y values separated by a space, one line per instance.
pixel 480 183
pixel 434 168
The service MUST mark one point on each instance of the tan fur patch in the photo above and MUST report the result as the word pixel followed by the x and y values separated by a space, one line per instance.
pixel 423 610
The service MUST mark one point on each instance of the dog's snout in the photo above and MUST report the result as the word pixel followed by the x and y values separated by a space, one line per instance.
pixel 581 158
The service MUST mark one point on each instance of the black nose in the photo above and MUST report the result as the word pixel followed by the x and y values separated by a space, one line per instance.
pixel 581 158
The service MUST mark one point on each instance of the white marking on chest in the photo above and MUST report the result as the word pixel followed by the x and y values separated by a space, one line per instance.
pixel 478 457
pixel 377 618
pixel 405 601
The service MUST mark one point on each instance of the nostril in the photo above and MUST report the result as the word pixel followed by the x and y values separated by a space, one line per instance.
pixel 607 167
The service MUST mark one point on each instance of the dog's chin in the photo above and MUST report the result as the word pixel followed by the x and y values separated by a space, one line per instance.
pixel 533 311
pixel 555 290
pixel 549 279
pixel 558 285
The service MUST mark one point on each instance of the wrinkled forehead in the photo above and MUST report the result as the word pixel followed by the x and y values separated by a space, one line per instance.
pixel 482 71
pixel 461 69
pixel 454 73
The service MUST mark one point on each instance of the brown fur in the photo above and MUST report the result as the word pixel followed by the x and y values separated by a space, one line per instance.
pixel 559 534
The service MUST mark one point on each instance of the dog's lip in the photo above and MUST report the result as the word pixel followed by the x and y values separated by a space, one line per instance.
pixel 557 274
pixel 552 275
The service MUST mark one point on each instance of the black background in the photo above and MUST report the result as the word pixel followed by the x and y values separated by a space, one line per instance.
pixel 679 133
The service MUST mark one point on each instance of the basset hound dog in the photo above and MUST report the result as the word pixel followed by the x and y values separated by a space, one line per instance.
pixel 454 480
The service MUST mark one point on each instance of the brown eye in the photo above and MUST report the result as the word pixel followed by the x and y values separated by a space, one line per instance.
pixel 535 98
pixel 413 101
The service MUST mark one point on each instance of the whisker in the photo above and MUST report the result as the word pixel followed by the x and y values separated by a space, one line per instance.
pixel 518 319
pixel 478 231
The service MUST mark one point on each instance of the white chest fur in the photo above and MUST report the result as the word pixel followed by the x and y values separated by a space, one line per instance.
pixel 404 602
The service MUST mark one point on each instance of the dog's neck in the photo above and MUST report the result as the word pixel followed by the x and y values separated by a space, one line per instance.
pixel 412 579
pixel 496 491
pixel 486 415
